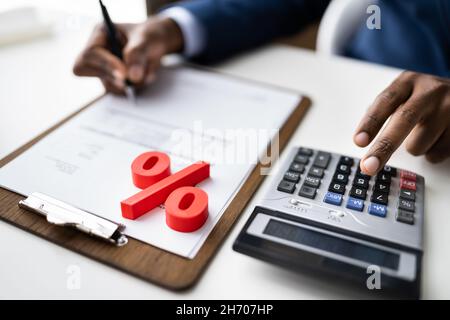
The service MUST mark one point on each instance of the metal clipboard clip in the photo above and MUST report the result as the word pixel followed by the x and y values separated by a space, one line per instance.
pixel 62 214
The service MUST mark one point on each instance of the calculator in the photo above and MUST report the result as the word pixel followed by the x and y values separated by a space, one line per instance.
pixel 321 213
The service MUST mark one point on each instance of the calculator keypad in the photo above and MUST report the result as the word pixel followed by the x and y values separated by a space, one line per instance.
pixel 405 217
pixel 286 186
pixel 358 193
pixel 292 176
pixel 355 204
pixel 333 198
pixel 407 195
pixel 307 192
pixel 322 159
pixel 312 182
pixel 316 172
pixel 349 188
pixel 297 167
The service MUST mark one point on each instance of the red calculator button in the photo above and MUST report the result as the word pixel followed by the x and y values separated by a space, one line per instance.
pixel 407 184
pixel 408 175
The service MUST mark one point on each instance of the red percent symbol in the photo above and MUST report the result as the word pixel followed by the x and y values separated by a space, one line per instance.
pixel 186 205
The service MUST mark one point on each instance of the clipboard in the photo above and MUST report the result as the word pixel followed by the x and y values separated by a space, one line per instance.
pixel 138 258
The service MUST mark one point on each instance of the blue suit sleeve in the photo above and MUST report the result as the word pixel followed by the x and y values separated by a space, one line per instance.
pixel 232 26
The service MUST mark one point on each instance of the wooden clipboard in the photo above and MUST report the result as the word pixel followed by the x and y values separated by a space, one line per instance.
pixel 138 258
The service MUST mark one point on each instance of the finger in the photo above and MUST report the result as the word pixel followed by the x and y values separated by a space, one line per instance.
pixel 441 149
pixel 136 56
pixel 380 110
pixel 399 126
pixel 100 59
pixel 99 36
pixel 98 39
pixel 426 134
pixel 118 84
pixel 112 87
pixel 142 56
pixel 149 75
pixel 151 71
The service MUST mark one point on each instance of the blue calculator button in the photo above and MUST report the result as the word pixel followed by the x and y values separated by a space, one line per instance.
pixel 377 210
pixel 333 198
pixel 355 204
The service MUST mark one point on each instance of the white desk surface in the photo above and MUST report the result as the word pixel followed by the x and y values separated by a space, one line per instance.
pixel 38 89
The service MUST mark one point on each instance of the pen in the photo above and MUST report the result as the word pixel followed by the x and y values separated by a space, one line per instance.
pixel 115 49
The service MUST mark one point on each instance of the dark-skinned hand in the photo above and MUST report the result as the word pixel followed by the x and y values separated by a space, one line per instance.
pixel 143 46
pixel 416 107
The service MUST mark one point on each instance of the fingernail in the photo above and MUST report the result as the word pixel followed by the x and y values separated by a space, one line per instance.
pixel 362 139
pixel 118 75
pixel 135 73
pixel 371 165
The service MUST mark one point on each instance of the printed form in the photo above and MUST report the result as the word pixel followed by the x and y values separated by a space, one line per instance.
pixel 190 114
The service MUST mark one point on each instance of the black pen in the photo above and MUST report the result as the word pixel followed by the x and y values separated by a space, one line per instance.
pixel 115 49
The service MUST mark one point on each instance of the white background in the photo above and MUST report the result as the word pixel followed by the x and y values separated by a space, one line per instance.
pixel 120 10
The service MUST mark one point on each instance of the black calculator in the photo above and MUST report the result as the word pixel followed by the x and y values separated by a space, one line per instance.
pixel 323 214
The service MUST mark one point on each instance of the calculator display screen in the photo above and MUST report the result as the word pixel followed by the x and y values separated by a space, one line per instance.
pixel 332 244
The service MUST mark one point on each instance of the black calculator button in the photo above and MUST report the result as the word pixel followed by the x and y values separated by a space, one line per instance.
pixel 340 178
pixel 408 195
pixel 312 182
pixel 343 168
pixel 361 183
pixel 305 152
pixel 405 217
pixel 390 171
pixel 358 193
pixel 301 159
pixel 406 205
pixel 292 176
pixel 297 167
pixel 362 175
pixel 337 188
pixel 346 160
pixel 322 159
pixel 380 198
pixel 380 187
pixel 383 177
pixel 286 186
pixel 316 172
pixel 307 192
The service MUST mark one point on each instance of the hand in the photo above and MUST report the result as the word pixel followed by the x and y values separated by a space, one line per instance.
pixel 143 47
pixel 419 108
